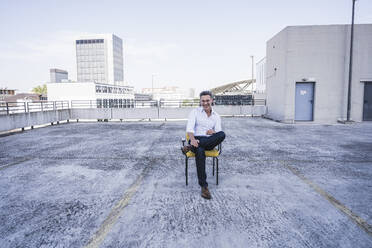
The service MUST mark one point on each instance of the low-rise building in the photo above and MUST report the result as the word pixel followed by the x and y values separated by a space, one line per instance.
pixel 104 95
pixel 307 73
pixel 25 97
pixel 5 92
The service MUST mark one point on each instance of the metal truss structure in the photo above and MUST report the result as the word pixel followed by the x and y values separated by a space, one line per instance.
pixel 236 88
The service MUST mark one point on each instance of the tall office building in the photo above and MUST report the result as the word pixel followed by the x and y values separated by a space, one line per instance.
pixel 100 59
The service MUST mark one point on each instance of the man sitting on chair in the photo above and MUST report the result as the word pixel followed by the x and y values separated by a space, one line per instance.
pixel 204 130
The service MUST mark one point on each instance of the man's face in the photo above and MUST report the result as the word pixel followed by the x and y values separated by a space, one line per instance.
pixel 206 102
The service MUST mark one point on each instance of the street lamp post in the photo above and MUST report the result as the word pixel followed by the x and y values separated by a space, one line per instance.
pixel 350 64
pixel 252 100
pixel 252 57
pixel 152 84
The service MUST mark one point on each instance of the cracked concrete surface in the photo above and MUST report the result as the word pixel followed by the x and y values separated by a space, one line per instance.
pixel 59 184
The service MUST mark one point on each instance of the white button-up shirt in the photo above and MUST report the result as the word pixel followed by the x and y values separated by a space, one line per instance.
pixel 199 122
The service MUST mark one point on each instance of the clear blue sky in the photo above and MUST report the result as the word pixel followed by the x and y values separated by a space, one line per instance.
pixel 198 44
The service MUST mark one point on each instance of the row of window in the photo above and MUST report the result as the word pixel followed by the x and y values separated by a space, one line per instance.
pixel 89 41
pixel 118 74
pixel 90 47
pixel 109 89
pixel 118 60
pixel 118 77
pixel 91 65
pixel 91 52
pixel 115 103
pixel 90 59
pixel 89 77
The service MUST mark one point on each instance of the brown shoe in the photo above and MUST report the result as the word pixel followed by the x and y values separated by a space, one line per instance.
pixel 205 193
pixel 185 149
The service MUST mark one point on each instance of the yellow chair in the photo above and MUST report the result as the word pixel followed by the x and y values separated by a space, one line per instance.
pixel 208 153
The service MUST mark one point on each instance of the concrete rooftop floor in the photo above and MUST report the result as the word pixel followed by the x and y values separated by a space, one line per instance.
pixel 123 185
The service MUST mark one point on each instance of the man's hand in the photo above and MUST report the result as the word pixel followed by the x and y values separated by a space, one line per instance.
pixel 194 142
pixel 210 132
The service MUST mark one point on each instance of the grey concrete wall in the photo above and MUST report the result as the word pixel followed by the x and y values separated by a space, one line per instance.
pixel 319 54
pixel 174 113
pixel 182 113
pixel 276 75
pixel 160 113
pixel 9 122
pixel 135 113
pixel 91 113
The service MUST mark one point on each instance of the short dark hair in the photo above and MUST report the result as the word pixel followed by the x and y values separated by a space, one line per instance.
pixel 206 93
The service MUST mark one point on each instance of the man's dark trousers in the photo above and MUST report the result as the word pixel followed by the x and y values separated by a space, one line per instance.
pixel 205 143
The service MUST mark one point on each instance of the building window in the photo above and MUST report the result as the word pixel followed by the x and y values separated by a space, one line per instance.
pixel 99 103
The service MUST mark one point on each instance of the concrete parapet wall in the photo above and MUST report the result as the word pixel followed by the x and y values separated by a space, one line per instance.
pixel 227 110
pixel 160 113
pixel 135 113
pixel 14 121
pixel 255 111
pixel 91 113
pixel 174 113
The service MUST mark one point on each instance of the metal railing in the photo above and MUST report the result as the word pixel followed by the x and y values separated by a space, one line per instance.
pixel 130 103
pixel 7 108
pixel 196 102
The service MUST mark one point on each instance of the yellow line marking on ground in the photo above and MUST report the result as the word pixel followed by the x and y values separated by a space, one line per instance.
pixel 14 163
pixel 358 220
pixel 115 213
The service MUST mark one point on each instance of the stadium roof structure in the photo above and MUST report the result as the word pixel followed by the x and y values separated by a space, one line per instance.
pixel 236 88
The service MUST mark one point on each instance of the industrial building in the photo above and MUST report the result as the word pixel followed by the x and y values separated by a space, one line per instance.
pixel 307 70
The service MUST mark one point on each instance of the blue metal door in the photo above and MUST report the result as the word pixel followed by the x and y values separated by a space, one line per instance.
pixel 304 101
pixel 367 104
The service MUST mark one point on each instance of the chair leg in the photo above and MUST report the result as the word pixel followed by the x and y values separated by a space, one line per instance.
pixel 186 174
pixel 217 171
pixel 213 166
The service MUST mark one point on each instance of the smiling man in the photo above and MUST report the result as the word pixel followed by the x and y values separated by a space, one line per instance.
pixel 205 133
